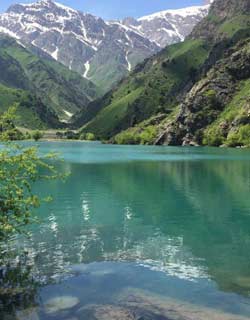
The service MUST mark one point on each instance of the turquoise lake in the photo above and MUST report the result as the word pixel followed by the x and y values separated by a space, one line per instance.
pixel 143 232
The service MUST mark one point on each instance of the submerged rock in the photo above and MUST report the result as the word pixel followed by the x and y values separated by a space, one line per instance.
pixel 60 304
pixel 122 312
pixel 242 282
pixel 27 314
pixel 105 312
pixel 156 307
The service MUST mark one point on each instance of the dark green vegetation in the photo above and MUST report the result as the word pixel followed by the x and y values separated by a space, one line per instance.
pixel 232 126
pixel 20 169
pixel 151 89
pixel 8 131
pixel 107 68
pixel 45 90
pixel 216 111
pixel 200 85
pixel 37 135
pixel 191 93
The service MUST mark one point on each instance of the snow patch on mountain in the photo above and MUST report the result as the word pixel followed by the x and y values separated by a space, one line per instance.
pixel 8 32
pixel 55 54
pixel 184 13
pixel 80 40
pixel 128 62
pixel 170 26
pixel 87 68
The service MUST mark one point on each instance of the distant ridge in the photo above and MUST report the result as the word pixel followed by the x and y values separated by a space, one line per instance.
pixel 103 51
pixel 196 92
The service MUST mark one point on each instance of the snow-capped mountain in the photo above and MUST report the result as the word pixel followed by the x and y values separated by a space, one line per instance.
pixel 170 26
pixel 103 51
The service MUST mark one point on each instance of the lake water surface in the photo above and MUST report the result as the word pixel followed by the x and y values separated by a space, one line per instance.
pixel 143 233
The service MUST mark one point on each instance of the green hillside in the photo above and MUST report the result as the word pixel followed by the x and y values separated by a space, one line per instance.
pixel 216 111
pixel 49 85
pixel 189 83
pixel 31 112
pixel 151 89
pixel 217 105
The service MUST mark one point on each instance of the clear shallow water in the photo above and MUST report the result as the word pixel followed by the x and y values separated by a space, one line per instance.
pixel 170 222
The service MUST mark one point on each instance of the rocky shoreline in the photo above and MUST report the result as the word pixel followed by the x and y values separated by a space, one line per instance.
pixel 131 304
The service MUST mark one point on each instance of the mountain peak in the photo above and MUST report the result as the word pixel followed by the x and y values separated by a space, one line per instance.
pixel 41 4
pixel 45 2
pixel 183 12
pixel 101 51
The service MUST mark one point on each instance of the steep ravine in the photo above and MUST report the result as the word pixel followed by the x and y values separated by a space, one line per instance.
pixel 213 106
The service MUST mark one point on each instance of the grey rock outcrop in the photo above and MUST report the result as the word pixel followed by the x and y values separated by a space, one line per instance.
pixel 208 98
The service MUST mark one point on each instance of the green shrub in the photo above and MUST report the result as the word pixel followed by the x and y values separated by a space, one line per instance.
pixel 8 131
pixel 211 97
pixel 82 136
pixel 20 167
pixel 211 93
pixel 90 136
pixel 71 135
pixel 213 137
pixel 37 135
pixel 240 137
pixel 148 135
pixel 127 137
pixel 137 135
pixel 27 135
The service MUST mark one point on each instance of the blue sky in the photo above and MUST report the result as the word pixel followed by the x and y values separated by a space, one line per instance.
pixel 113 9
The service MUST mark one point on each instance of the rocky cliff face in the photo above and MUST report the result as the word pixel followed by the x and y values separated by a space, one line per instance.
pixel 208 98
pixel 103 51
pixel 225 16
pixel 216 110
pixel 201 85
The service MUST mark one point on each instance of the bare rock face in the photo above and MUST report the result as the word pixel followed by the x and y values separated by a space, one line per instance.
pixel 223 10
pixel 60 303
pixel 103 51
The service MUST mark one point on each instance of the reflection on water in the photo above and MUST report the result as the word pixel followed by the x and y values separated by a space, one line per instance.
pixel 18 287
pixel 182 216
